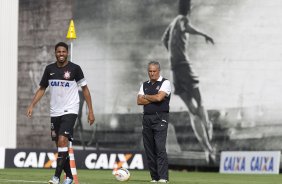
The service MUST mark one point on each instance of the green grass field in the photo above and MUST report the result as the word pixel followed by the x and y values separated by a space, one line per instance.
pixel 33 176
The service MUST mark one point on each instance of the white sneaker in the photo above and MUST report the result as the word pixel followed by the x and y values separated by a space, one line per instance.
pixel 67 181
pixel 213 156
pixel 153 181
pixel 163 181
pixel 54 180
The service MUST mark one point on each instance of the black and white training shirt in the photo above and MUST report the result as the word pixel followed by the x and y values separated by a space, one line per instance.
pixel 63 83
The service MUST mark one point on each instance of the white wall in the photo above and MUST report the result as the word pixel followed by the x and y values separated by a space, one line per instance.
pixel 8 72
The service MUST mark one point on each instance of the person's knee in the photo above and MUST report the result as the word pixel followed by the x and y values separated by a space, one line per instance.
pixel 161 149
pixel 62 141
pixel 193 108
pixel 192 101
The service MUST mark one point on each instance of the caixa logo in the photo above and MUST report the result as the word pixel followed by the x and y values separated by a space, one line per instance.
pixel 262 163
pixel 234 163
pixel 109 161
pixel 35 160
pixel 60 83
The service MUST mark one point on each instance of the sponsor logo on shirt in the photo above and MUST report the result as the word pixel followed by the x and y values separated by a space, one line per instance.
pixel 60 83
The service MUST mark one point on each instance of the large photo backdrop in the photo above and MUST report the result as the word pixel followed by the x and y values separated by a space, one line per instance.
pixel 239 75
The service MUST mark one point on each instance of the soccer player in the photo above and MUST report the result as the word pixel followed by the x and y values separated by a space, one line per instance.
pixel 175 39
pixel 63 78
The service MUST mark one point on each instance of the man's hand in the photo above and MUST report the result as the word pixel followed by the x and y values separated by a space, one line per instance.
pixel 39 93
pixel 91 118
pixel 29 111
pixel 209 39
pixel 141 100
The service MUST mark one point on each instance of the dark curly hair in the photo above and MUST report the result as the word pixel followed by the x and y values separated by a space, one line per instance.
pixel 62 44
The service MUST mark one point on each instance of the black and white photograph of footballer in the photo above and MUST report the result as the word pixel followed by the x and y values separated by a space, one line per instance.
pixel 223 58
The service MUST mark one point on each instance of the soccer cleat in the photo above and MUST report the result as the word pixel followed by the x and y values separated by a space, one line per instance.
pixel 163 181
pixel 153 181
pixel 212 156
pixel 54 180
pixel 67 181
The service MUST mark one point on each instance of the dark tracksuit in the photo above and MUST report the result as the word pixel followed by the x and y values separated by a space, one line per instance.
pixel 155 123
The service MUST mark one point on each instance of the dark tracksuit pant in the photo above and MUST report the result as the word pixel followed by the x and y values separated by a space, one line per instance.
pixel 154 139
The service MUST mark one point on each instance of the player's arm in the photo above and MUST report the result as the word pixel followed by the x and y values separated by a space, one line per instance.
pixel 190 29
pixel 87 97
pixel 194 31
pixel 38 95
pixel 165 37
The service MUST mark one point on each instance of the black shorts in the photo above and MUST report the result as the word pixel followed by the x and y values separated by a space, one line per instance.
pixel 62 125
pixel 184 79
